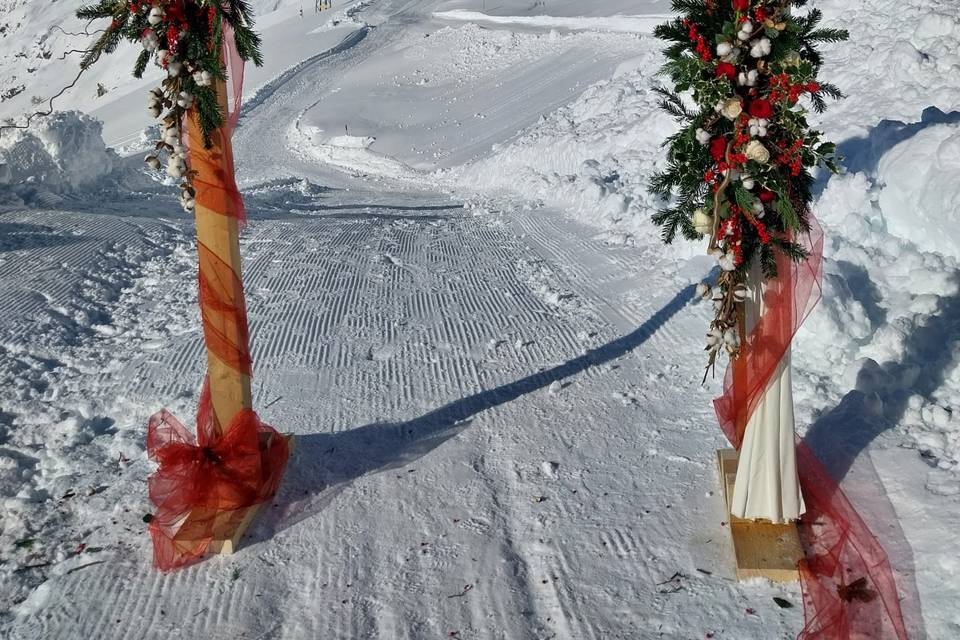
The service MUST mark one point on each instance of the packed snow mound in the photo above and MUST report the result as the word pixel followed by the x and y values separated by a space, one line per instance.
pixel 619 23
pixel 351 142
pixel 921 191
pixel 591 158
pixel 61 153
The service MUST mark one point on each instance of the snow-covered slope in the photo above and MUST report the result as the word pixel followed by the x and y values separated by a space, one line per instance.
pixel 459 305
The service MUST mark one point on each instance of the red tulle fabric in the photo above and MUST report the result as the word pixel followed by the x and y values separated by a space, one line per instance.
pixel 215 181
pixel 224 311
pixel 203 488
pixel 849 591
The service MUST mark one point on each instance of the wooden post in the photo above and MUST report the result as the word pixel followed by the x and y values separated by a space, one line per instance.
pixel 219 232
pixel 761 549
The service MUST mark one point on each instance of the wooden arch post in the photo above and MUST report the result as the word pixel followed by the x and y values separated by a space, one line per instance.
pixel 218 229
pixel 218 244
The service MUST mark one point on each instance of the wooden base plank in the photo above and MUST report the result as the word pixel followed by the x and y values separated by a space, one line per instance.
pixel 761 549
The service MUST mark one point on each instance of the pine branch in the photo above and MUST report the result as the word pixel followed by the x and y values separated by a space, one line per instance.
pixel 788 215
pixel 672 104
pixel 827 35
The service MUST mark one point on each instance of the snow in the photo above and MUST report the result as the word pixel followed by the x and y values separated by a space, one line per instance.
pixel 64 150
pixel 460 307
pixel 618 23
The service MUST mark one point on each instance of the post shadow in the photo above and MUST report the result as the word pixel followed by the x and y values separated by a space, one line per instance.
pixel 882 394
pixel 863 154
pixel 324 464
pixel 17 236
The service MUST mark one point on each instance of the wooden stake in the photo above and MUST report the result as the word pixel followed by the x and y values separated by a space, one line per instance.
pixel 229 388
pixel 761 549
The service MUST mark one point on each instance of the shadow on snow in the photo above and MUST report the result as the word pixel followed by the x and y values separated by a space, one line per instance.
pixel 323 464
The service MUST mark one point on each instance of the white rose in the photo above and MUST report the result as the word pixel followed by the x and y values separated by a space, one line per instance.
pixel 757 152
pixel 703 221
pixel 732 108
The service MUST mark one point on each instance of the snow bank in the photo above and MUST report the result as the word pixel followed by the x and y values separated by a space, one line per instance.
pixel 61 153
pixel 591 158
pixel 619 24
pixel 921 189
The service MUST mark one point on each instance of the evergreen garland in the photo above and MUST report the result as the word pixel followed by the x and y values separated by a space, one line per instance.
pixel 744 75
pixel 184 37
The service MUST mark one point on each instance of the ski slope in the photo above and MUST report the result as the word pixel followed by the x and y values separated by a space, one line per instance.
pixel 460 308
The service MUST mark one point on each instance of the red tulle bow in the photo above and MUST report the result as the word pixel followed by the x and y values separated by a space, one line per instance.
pixel 203 488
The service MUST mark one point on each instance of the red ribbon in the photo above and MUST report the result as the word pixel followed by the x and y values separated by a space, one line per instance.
pixel 848 585
pixel 204 486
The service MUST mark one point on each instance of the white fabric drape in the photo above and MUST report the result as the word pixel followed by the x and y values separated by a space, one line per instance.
pixel 767 486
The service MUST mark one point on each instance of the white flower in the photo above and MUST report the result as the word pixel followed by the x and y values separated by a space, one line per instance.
pixel 203 78
pixel 760 48
pixel 156 16
pixel 188 204
pixel 154 109
pixel 747 27
pixel 174 68
pixel 704 290
pixel 731 338
pixel 150 41
pixel 714 337
pixel 724 49
pixel 747 182
pixel 702 221
pixel 703 136
pixel 171 137
pixel 748 78
pixel 176 167
pixel 758 210
pixel 732 108
pixel 153 162
pixel 185 100
pixel 728 262
pixel 758 127
pixel 757 152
